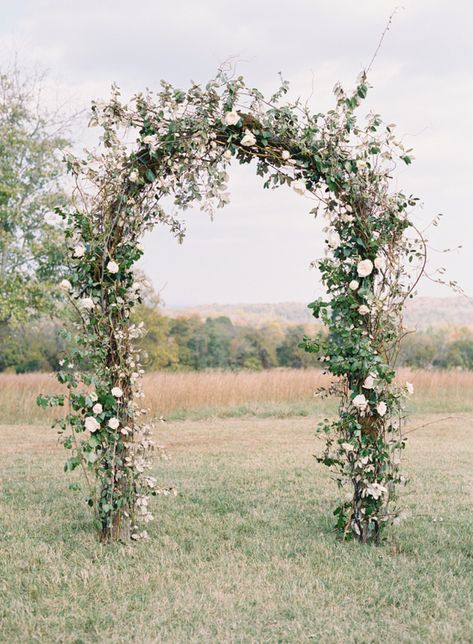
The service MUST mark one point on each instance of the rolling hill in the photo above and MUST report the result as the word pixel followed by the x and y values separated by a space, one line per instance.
pixel 421 312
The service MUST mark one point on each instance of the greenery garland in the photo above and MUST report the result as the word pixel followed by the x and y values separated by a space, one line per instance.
pixel 170 151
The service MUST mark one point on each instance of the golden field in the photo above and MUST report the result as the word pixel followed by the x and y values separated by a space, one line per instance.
pixel 278 392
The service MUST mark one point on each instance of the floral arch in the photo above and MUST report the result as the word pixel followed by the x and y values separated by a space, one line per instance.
pixel 175 147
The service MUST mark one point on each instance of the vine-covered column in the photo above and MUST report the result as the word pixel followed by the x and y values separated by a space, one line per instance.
pixel 367 281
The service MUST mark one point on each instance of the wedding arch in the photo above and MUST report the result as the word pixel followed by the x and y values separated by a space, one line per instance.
pixel 171 150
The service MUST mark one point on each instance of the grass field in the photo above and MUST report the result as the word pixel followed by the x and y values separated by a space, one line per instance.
pixel 245 552
pixel 278 393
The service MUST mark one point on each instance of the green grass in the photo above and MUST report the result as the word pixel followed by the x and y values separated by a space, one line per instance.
pixel 290 409
pixel 245 552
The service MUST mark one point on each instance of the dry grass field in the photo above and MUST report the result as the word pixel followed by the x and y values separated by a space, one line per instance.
pixel 245 552
pixel 198 395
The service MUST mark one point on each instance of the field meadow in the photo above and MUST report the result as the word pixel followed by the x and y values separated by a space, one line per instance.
pixel 200 395
pixel 245 552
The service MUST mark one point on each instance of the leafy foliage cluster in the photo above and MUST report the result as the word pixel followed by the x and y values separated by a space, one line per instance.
pixel 31 176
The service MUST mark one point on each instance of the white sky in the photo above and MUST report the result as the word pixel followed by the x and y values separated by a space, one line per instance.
pixel 259 247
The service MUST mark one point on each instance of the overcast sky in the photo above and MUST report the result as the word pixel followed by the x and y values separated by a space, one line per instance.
pixel 260 246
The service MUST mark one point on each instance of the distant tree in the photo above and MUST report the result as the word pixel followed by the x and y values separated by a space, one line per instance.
pixel 35 346
pixel 272 335
pixel 220 332
pixel 247 349
pixel 459 354
pixel 31 173
pixel 289 352
pixel 421 350
pixel 159 348
pixel 192 342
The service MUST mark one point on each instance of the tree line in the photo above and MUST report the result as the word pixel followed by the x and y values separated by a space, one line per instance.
pixel 193 344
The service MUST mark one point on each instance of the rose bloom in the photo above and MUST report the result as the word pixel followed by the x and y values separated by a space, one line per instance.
pixel 248 139
pixel 381 408
pixel 333 238
pixel 299 186
pixel 91 424
pixel 112 267
pixel 360 402
pixel 285 155
pixel 380 263
pixel 79 251
pixel 97 408
pixel 363 309
pixel 369 382
pixel 52 219
pixel 117 392
pixel 376 490
pixel 65 285
pixel 231 118
pixel 353 285
pixel 365 268
pixel 113 423
pixel 227 154
pixel 134 176
pixel 87 303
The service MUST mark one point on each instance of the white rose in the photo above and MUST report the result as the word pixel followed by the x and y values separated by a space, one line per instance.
pixel 91 424
pixel 87 303
pixel 353 285
pixel 248 139
pixel 117 392
pixel 376 490
pixel 227 154
pixel 369 382
pixel 149 139
pixel 363 309
pixel 52 219
pixel 410 388
pixel 112 267
pixel 232 118
pixel 299 186
pixel 365 268
pixel 380 263
pixel 285 155
pixel 140 247
pixel 381 408
pixel 65 285
pixel 134 176
pixel 79 251
pixel 333 238
pixel 360 402
pixel 113 423
pixel 97 408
